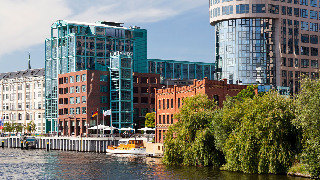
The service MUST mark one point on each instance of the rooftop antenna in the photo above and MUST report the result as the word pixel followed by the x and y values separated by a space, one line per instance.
pixel 29 62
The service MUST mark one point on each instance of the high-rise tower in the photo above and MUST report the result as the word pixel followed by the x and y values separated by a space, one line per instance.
pixel 267 41
pixel 76 46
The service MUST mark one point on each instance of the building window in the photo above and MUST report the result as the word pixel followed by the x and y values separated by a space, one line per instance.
pixel 171 103
pixel 171 118
pixel 168 119
pixel 304 13
pixel 19 106
pixel 164 119
pixel 305 38
pixel 159 104
pixel 19 96
pixel 84 89
pixel 274 9
pixel 290 62
pixel 71 89
pixel 77 89
pixel 163 105
pixel 77 78
pixel 168 104
pixel 159 120
pixel 242 8
pixel 77 100
pixel 314 64
pixel 84 99
pixel 296 63
pixel 305 51
pixel 71 100
pixel 104 78
pixel 71 79
pixel 103 99
pixel 284 60
pixel 313 39
pixel 78 110
pixel 71 110
pixel 314 51
pixel 84 110
pixel 304 63
pixel 258 8
pixel 178 102
pixel 216 99
pixel 227 10
pixel 84 77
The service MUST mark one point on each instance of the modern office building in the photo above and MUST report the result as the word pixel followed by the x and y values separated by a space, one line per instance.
pixel 77 46
pixel 184 70
pixel 169 100
pixel 22 98
pixel 267 42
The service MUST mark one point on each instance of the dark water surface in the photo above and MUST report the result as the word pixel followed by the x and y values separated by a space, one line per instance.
pixel 40 164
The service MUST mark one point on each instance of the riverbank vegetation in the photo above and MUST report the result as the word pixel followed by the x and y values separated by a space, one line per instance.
pixel 264 133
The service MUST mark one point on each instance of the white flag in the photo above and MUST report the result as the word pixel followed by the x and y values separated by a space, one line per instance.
pixel 107 113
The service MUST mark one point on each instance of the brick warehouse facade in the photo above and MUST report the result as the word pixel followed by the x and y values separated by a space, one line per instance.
pixel 144 87
pixel 168 101
pixel 80 94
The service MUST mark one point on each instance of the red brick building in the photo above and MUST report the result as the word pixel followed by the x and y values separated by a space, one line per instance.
pixel 80 94
pixel 144 87
pixel 168 101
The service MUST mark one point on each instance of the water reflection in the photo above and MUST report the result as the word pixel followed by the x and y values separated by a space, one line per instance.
pixel 38 164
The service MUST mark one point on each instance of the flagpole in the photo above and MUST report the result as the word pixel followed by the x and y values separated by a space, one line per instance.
pixel 103 117
pixel 111 122
pixel 103 121
pixel 97 122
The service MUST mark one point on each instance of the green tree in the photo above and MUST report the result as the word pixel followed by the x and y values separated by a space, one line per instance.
pixel 308 119
pixel 150 120
pixel 8 127
pixel 256 134
pixel 249 92
pixel 31 127
pixel 18 127
pixel 191 140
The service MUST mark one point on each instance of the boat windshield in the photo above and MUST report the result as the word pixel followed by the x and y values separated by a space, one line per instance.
pixel 123 142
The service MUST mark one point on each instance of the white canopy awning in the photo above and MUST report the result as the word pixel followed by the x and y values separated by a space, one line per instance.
pixel 108 128
pixel 99 127
pixel 147 129
pixel 126 129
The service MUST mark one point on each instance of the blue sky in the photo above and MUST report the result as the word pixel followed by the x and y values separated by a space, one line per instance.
pixel 177 29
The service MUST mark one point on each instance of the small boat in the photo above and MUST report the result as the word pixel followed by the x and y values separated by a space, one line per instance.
pixel 29 141
pixel 128 146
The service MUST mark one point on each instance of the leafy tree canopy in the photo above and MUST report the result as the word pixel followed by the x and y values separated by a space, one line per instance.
pixel 308 119
pixel 150 120
pixel 191 141
pixel 256 134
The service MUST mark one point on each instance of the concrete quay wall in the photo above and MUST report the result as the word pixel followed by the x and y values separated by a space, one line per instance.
pixel 65 143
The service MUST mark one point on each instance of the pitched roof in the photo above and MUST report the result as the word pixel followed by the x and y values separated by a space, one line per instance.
pixel 26 73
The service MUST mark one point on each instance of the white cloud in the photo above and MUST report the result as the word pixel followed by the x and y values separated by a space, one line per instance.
pixel 137 11
pixel 24 23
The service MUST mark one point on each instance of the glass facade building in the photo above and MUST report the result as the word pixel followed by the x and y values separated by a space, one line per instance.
pixel 184 70
pixel 244 50
pixel 76 46
pixel 269 42
pixel 121 90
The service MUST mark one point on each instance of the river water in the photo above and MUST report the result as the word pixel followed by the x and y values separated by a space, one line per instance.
pixel 40 164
